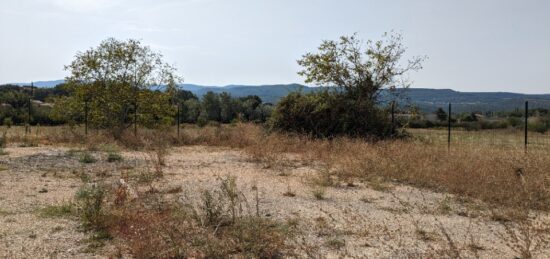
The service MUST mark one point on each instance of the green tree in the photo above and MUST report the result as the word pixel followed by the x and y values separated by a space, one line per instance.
pixel 248 105
pixel 359 72
pixel 184 95
pixel 227 108
pixel 356 75
pixel 118 80
pixel 191 110
pixel 211 107
pixel 441 114
pixel 468 117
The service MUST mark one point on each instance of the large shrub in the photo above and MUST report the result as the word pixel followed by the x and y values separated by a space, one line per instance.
pixel 329 114
pixel 354 78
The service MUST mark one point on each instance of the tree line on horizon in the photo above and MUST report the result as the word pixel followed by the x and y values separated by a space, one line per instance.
pixel 212 107
pixel 224 108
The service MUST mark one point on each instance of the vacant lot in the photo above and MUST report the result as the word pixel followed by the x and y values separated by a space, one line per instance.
pixel 237 191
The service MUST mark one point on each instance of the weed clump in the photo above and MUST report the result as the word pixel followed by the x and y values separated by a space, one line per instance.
pixel 29 141
pixel 319 192
pixel 87 158
pixel 57 211
pixel 114 157
pixel 220 224
pixel 3 139
pixel 90 201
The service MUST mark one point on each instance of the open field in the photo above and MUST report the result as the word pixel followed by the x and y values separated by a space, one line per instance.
pixel 498 138
pixel 237 190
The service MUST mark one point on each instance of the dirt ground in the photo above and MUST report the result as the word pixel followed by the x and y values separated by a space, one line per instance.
pixel 359 220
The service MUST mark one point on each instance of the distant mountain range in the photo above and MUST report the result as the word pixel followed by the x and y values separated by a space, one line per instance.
pixel 45 84
pixel 428 100
pixel 268 93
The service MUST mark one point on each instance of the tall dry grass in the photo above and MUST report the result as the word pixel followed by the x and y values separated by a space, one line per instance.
pixel 498 175
pixel 508 179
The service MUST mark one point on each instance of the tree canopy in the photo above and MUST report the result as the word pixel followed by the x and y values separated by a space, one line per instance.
pixel 358 69
pixel 358 73
pixel 120 83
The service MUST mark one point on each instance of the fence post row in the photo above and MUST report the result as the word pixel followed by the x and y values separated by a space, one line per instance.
pixel 449 128
pixel 526 139
pixel 135 117
pixel 393 117
pixel 28 126
pixel 526 122
pixel 178 119
pixel 86 116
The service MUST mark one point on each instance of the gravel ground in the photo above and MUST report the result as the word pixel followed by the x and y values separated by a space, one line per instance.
pixel 374 220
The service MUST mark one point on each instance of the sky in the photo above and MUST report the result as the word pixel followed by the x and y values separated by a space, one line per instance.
pixel 472 45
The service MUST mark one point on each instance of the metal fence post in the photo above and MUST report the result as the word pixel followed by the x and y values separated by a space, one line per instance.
pixel 135 117
pixel 178 120
pixel 393 117
pixel 30 105
pixel 28 126
pixel 86 117
pixel 449 128
pixel 526 122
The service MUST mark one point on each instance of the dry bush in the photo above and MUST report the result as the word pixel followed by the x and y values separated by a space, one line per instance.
pixel 526 236
pixel 217 226
pixel 4 139
pixel 65 135
pixel 237 135
pixel 132 141
pixel 47 135
pixel 90 206
pixel 157 147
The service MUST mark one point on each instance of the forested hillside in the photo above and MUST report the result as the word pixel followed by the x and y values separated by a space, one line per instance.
pixel 425 99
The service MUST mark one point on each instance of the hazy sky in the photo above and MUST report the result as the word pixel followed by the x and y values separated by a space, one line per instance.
pixel 473 45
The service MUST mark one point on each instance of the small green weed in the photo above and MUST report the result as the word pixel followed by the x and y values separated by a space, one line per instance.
pixel 57 211
pixel 87 158
pixel 113 156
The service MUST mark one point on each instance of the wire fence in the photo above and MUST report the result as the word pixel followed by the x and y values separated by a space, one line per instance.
pixel 512 127
pixel 527 128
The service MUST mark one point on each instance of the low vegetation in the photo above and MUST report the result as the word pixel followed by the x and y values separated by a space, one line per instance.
pixel 87 158
pixel 499 175
pixel 53 211
pixel 510 182
pixel 504 175
pixel 220 223
pixel 113 156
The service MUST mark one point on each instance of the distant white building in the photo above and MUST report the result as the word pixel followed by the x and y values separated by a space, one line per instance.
pixel 41 103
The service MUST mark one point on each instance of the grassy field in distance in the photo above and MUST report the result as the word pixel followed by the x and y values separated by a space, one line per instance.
pixel 501 138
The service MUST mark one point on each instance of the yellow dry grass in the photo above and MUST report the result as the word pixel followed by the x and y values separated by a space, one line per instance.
pixel 499 175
